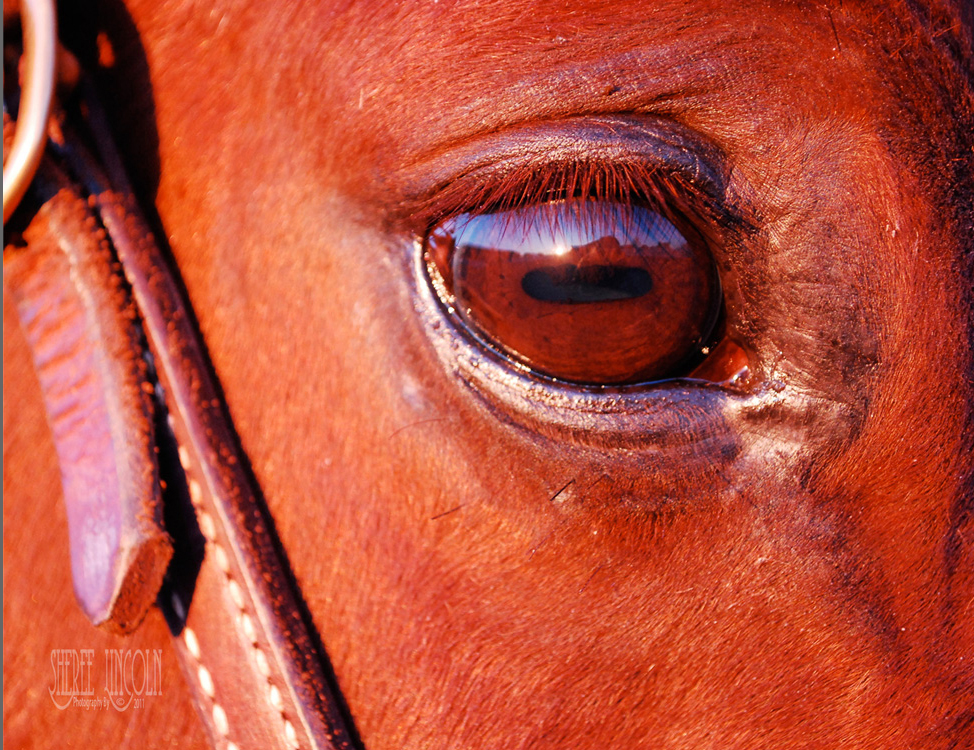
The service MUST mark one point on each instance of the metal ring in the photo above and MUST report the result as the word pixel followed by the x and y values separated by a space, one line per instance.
pixel 37 19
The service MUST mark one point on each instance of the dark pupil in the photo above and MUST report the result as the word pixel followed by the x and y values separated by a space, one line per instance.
pixel 572 284
pixel 588 291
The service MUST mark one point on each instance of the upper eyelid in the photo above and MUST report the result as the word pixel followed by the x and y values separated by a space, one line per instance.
pixel 613 135
pixel 451 181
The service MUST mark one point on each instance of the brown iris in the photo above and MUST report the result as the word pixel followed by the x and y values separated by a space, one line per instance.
pixel 586 291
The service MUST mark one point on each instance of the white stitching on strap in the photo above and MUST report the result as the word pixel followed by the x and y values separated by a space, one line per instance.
pixel 203 676
pixel 245 623
pixel 205 680
pixel 220 720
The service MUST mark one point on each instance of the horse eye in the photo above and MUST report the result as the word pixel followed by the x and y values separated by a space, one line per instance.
pixel 587 291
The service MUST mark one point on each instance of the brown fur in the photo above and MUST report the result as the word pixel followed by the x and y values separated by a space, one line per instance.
pixel 794 571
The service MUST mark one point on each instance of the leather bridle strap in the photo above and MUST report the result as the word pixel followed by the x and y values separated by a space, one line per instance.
pixel 253 666
pixel 252 659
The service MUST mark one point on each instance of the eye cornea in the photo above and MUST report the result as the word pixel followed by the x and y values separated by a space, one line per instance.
pixel 588 273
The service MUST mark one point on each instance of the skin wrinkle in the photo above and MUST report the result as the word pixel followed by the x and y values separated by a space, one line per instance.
pixel 798 242
pixel 798 577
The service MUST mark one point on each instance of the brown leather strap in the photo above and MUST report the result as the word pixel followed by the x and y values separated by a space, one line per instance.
pixel 253 664
pixel 80 323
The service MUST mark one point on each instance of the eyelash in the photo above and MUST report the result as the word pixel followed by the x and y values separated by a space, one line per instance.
pixel 626 183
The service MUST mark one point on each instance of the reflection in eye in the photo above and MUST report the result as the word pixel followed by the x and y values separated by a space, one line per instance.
pixel 587 291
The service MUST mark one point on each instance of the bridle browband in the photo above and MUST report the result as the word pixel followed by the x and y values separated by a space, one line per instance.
pixel 161 505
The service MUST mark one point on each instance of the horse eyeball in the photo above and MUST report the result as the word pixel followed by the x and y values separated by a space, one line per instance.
pixel 586 291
